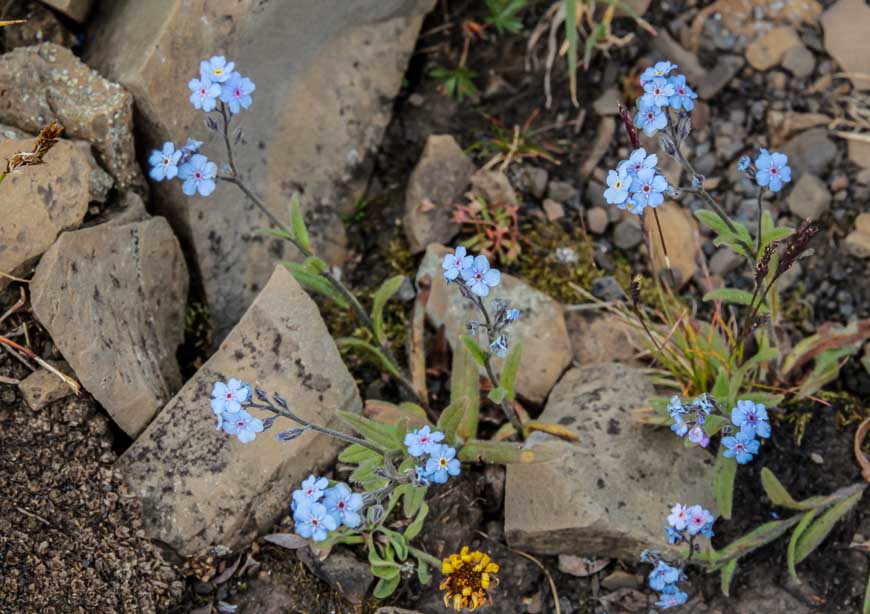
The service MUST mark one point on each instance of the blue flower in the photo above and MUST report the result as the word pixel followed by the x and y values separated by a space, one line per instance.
pixel 618 184
pixel 671 599
pixel 512 315
pixel 216 69
pixel 679 426
pixel 164 164
pixel 683 97
pixel 772 170
pixel 632 206
pixel 313 521
pixel 242 424
pixel 707 530
pixel 743 164
pixel 441 464
pixel 479 277
pixel 673 535
pixel 189 148
pixel 227 398
pixel 678 517
pixel 455 262
pixel 698 436
pixel 648 187
pixel 204 94
pixel 650 118
pixel 658 92
pixel 499 347
pixel 660 69
pixel 742 446
pixel 704 404
pixel 422 477
pixel 198 176
pixel 637 161
pixel 751 418
pixel 697 518
pixel 422 441
pixel 236 92
pixel 344 505
pixel 663 575
pixel 311 491
pixel 675 406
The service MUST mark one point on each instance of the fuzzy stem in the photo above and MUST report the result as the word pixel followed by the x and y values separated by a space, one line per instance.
pixel 427 558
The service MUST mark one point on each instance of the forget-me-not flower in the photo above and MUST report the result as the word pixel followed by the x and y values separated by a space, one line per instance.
pixel 164 163
pixel 663 575
pixel 311 491
pixel 678 517
pixel 442 463
pixel 499 347
pixel 660 69
pixel 618 184
pixel 455 262
pixel 204 94
pixel 743 164
pixel 751 418
pixel 698 436
pixel 216 69
pixel 227 398
pixel 314 521
pixel 683 96
pixel 637 161
pixel 741 446
pixel 679 426
pixel 236 92
pixel 671 599
pixel 422 441
pixel 512 315
pixel 243 425
pixel 198 176
pixel 772 170
pixel 650 118
pixel 647 188
pixel 480 277
pixel 344 505
pixel 657 92
pixel 697 518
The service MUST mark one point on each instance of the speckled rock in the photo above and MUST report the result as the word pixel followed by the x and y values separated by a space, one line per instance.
pixel 113 299
pixel 326 73
pixel 541 327
pixel 610 492
pixel 43 387
pixel 201 487
pixel 438 181
pixel 75 9
pixel 47 82
pixel 39 202
pixel 811 151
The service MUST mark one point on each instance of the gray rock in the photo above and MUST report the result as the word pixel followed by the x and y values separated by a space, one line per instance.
pixel 607 289
pixel 326 73
pixel 688 62
pixel 811 151
pixel 99 181
pixel 799 61
pixel 725 261
pixel 343 571
pixel 788 279
pixel 608 103
pixel 627 234
pixel 715 80
pixel 597 220
pixel 535 180
pixel 113 299
pixel 608 494
pixel 561 191
pixel 200 487
pixel 43 387
pixel 809 198
pixel 436 184
pixel 541 327
pixel 595 195
pixel 598 339
pixel 494 187
pixel 553 209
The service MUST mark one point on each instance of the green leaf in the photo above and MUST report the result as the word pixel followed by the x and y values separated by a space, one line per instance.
pixel 412 502
pixel 571 35
pixel 760 536
pixel 397 541
pixel 423 572
pixel 376 354
pixel 724 472
pixel 415 527
pixel 732 296
pixel 775 491
pixel 727 576
pixel 476 351
pixel 503 15
pixel 792 543
pixel 383 294
pixel 720 388
pixel 497 395
pixel 450 418
pixel 355 453
pixel 762 356
pixel 316 283
pixel 819 530
pixel 278 233
pixel 710 219
pixel 866 609
pixel 509 371
pixel 777 234
pixel 365 470
pixel 297 222
pixel 714 423
pixel 826 368
pixel 386 586
pixel 382 435
pixel 503 452
pixel 465 388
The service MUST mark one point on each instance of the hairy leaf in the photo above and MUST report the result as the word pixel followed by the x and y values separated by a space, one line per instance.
pixel 382 435
pixel 297 222
pixel 450 418
pixel 465 387
pixel 316 283
pixel 792 543
pixel 816 533
pixel 356 453
pixel 509 371
pixel 724 471
pixel 416 526
pixel 375 354
pixel 727 576
pixel 502 452
pixel 383 294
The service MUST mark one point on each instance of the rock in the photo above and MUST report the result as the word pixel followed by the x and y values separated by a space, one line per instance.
pixel 608 102
pixel 99 181
pixel 494 187
pixel 42 26
pixel 39 202
pixel 113 299
pixel 341 570
pixel 604 138
pixel 783 124
pixel 846 40
pixel 862 223
pixel 553 209
pixel 799 61
pixel 725 261
pixel 201 487
pixel 859 153
pixel 681 236
pixel 688 62
pixel 541 327
pixel 597 220
pixel 126 208
pixel 810 151
pixel 56 85
pixel 788 279
pixel 715 80
pixel 437 182
pixel 598 339
pixel 326 75
pixel 767 51
pixel 75 9
pixel 809 198
pixel 561 191
pixel 627 234
pixel 607 289
pixel 608 495
pixel 595 194
pixel 535 180
pixel 857 243
pixel 43 387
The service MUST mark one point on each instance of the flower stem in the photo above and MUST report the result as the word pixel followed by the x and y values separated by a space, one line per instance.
pixel 427 558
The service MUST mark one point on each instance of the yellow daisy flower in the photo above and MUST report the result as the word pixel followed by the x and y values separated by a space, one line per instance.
pixel 468 578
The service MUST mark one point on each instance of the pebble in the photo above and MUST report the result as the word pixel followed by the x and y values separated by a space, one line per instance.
pixel 597 219
pixel 799 61
pixel 768 51
pixel 607 289
pixel 627 234
pixel 561 191
pixel 535 180
pixel 553 209
pixel 725 261
pixel 809 198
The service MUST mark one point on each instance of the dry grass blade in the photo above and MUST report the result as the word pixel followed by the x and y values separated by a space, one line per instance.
pixel 74 385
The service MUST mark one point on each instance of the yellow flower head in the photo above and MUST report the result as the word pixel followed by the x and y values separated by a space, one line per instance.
pixel 468 577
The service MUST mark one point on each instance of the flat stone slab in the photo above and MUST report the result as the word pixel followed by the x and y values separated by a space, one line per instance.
pixel 201 487
pixel 610 494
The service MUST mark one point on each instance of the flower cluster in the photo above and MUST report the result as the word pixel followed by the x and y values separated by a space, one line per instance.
pixel 770 170
pixel 636 184
pixel 227 400
pixel 468 578
pixel 664 579
pixel 661 92
pixel 689 419
pixel 436 461
pixel 318 509
pixel 751 419
pixel 219 81
pixel 685 522
pixel 195 170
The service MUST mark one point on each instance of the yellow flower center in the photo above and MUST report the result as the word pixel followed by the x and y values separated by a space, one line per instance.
pixel 468 576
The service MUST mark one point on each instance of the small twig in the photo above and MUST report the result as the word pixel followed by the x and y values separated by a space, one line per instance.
pixel 64 378
pixel 9 380
pixel 34 516
pixel 21 302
